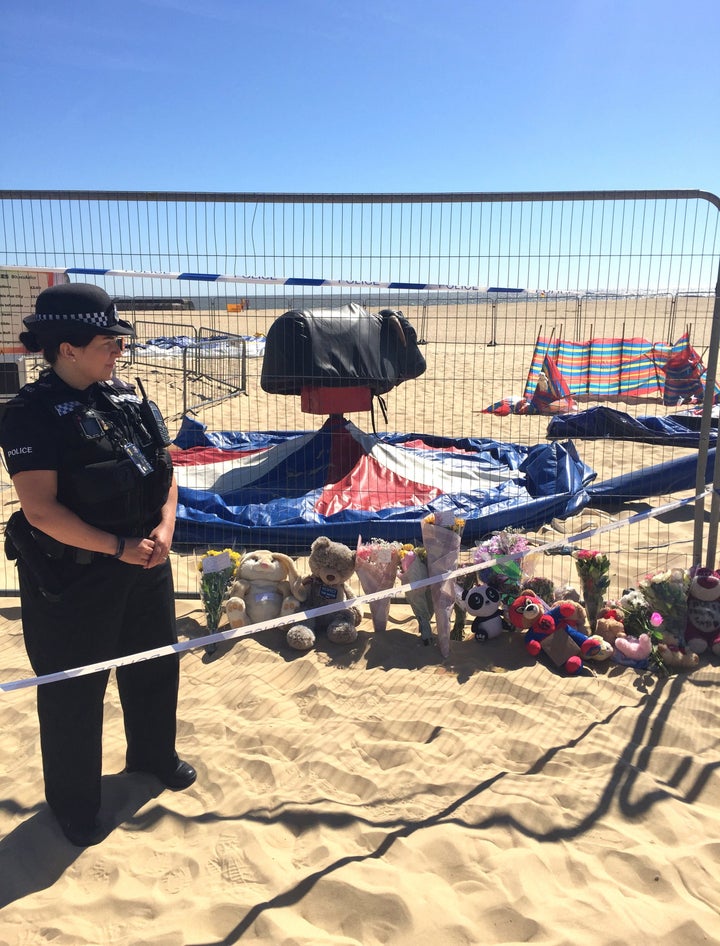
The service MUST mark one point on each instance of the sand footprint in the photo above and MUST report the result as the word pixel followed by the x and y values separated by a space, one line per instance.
pixel 177 879
pixel 231 862
pixel 173 876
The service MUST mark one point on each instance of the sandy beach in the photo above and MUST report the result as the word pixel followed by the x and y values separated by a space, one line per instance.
pixel 377 793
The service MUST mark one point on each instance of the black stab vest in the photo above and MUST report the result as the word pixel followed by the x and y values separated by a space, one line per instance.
pixel 103 444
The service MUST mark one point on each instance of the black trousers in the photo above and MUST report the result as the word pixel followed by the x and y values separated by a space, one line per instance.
pixel 108 609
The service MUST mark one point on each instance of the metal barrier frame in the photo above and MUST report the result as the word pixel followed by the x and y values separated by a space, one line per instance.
pixel 195 364
pixel 472 197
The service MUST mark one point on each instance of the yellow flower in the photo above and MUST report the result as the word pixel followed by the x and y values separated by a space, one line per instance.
pixel 234 557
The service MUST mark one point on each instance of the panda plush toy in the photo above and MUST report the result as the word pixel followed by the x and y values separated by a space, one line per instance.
pixel 483 603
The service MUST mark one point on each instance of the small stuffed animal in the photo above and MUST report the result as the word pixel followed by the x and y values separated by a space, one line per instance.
pixel 674 656
pixel 550 632
pixel 570 616
pixel 568 612
pixel 528 613
pixel 633 651
pixel 482 602
pixel 609 624
pixel 267 586
pixel 331 566
pixel 703 627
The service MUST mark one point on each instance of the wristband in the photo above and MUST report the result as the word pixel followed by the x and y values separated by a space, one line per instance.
pixel 120 548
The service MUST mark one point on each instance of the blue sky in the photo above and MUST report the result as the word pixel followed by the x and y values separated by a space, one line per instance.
pixel 384 95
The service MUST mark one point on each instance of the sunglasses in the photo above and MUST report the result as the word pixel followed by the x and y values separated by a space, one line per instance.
pixel 113 343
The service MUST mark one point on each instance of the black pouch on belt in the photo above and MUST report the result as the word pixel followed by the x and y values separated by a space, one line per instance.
pixel 20 544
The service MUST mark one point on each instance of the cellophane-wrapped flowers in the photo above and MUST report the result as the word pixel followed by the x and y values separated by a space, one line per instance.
pixel 505 574
pixel 636 612
pixel 376 564
pixel 413 567
pixel 593 569
pixel 442 534
pixel 667 593
pixel 217 569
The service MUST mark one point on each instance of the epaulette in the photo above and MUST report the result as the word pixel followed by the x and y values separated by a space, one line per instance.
pixel 117 385
pixel 119 392
pixel 40 384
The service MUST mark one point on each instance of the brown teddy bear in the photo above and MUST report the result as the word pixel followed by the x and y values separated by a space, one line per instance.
pixel 674 656
pixel 267 586
pixel 609 624
pixel 331 566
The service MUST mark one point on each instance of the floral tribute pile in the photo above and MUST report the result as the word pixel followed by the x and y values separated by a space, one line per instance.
pixel 647 625
pixel 662 624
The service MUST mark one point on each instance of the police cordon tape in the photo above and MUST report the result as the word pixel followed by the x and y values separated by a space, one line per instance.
pixel 306 281
pixel 284 621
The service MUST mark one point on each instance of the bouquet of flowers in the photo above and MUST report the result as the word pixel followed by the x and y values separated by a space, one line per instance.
pixel 376 564
pixel 216 572
pixel 636 612
pixel 640 618
pixel 544 588
pixel 441 534
pixel 593 569
pixel 506 574
pixel 413 567
pixel 667 593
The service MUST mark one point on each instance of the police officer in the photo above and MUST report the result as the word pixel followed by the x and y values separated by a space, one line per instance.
pixel 97 494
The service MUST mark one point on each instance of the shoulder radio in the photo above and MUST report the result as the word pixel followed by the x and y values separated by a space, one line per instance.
pixel 153 419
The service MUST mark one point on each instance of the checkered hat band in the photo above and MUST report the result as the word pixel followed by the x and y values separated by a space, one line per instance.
pixel 95 319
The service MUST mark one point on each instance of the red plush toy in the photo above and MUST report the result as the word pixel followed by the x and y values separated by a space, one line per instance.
pixel 703 627
pixel 551 632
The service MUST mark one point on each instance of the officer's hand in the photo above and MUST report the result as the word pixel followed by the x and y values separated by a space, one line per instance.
pixel 138 552
pixel 161 537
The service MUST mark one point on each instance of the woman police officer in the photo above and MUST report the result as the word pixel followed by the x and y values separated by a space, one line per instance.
pixel 97 497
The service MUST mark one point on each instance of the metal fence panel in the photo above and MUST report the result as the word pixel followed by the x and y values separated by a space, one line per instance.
pixel 481 276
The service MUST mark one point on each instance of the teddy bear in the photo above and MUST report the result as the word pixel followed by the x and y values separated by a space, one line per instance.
pixel 635 650
pixel 629 650
pixel 570 616
pixel 703 623
pixel 528 613
pixel 482 602
pixel 674 656
pixel 609 624
pixel 567 611
pixel 267 585
pixel 331 565
pixel 550 632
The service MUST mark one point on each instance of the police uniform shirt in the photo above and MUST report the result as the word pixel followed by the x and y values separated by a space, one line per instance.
pixel 29 438
pixel 41 431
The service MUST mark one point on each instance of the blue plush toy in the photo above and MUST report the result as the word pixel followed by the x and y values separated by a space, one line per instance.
pixel 551 632
pixel 482 602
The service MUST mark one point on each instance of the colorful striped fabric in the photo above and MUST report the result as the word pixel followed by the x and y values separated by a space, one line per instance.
pixel 553 395
pixel 602 367
pixel 683 371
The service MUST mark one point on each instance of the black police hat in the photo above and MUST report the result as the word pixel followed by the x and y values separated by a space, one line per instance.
pixel 76 305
